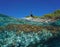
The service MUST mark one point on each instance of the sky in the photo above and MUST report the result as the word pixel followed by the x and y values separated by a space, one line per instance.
pixel 22 8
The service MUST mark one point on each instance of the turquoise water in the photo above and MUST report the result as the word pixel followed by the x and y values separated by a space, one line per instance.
pixel 44 38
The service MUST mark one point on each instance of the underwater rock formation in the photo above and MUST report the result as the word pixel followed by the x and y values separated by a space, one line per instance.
pixel 24 33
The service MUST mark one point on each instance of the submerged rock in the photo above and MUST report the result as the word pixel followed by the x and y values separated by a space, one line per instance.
pixel 24 33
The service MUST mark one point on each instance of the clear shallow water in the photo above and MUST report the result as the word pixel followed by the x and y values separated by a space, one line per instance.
pixel 42 38
pixel 10 38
